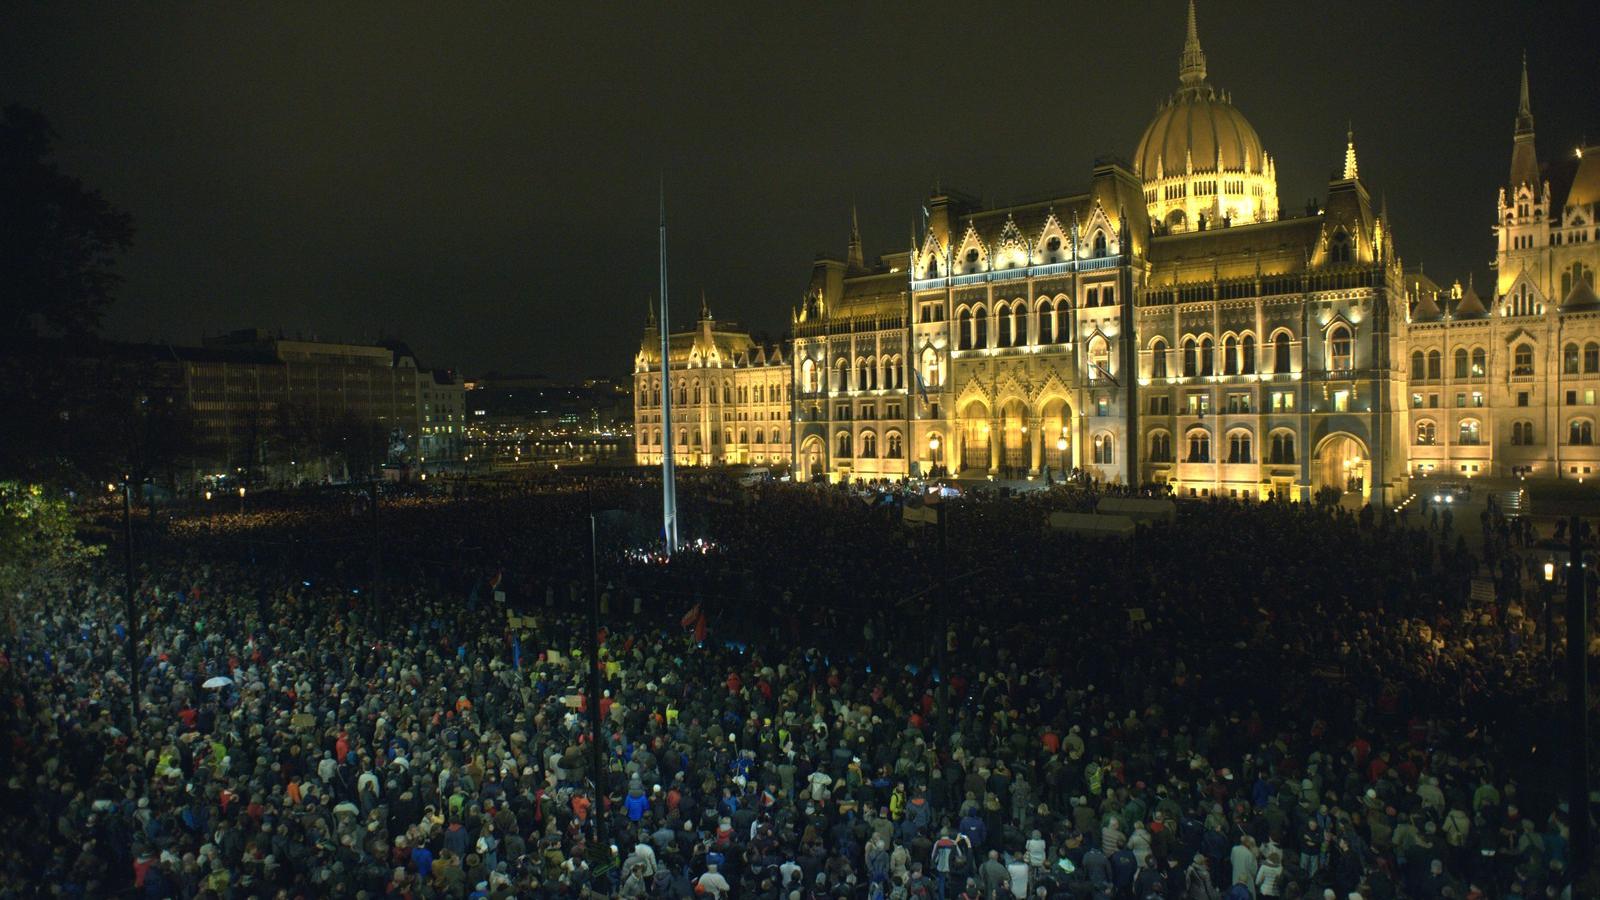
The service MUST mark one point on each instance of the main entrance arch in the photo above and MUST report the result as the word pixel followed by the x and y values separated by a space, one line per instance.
pixel 1342 462
pixel 813 456
pixel 1055 427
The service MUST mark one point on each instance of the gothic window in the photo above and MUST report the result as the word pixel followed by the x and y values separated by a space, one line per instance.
pixel 808 375
pixel 1207 357
pixel 1199 447
pixel 1569 359
pixel 1435 365
pixel 760 436
pixel 1521 434
pixel 697 393
pixel 1099 358
pixel 1104 453
pixel 1063 321
pixel 843 370
pixel 1189 357
pixel 869 445
pixel 1046 320
pixel 1282 448
pixel 1282 354
pixel 1427 433
pixel 1522 359
pixel 1581 432
pixel 1230 355
pixel 1340 250
pixel 1247 363
pixel 1099 244
pixel 1480 362
pixel 844 444
pixel 1470 433
pixel 981 336
pixel 1339 347
pixel 1052 247
pixel 1419 367
pixel 1239 447
pixel 1591 358
pixel 1463 370
pixel 931 376
pixel 895 449
pixel 1002 328
pixel 1158 359
pixel 964 330
pixel 1161 447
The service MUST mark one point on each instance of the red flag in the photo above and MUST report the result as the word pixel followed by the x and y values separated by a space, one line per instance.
pixel 690 617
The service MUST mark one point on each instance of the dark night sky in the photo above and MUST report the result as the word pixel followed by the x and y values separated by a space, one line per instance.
pixel 480 179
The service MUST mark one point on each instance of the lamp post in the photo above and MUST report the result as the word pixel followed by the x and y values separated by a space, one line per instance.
pixel 241 499
pixel 127 599
pixel 1549 609
pixel 933 452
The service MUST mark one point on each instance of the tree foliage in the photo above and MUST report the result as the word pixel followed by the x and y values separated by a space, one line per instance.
pixel 37 537
pixel 59 239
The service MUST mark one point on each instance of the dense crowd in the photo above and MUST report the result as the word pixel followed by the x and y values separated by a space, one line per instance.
pixel 1256 700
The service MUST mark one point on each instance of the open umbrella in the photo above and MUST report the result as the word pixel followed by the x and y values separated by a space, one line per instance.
pixel 217 681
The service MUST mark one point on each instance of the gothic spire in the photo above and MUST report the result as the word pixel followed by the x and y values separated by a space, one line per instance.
pixel 1524 108
pixel 705 308
pixel 649 311
pixel 1350 171
pixel 857 259
pixel 1192 64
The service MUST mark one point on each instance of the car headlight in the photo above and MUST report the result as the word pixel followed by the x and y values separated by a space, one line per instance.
pixel 1438 498
pixel 1450 499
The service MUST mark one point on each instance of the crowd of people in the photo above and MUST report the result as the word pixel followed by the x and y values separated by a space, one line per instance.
pixel 1256 700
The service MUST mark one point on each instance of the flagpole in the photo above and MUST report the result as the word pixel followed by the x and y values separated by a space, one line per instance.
pixel 669 488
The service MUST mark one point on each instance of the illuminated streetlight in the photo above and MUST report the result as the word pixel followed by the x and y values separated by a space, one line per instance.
pixel 1061 444
pixel 1550 571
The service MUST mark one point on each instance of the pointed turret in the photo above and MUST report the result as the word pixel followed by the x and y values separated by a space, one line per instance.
pixel 705 308
pixel 650 313
pixel 1350 170
pixel 856 260
pixel 1192 64
pixel 1524 161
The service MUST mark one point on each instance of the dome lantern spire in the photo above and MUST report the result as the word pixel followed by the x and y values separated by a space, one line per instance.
pixel 1192 64
pixel 1350 171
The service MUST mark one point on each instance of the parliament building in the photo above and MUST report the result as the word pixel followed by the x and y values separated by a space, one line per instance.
pixel 1170 324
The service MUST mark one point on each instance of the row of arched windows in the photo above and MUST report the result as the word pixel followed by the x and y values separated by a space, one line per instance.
pixel 1429 366
pixel 1008 323
pixel 974 260
pixel 686 437
pixel 1240 447
pixel 692 391
pixel 871 373
pixel 1469 432
pixel 866 445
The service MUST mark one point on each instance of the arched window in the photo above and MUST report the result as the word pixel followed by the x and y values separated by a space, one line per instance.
pixel 869 445
pixel 1463 370
pixel 1470 433
pixel 1339 252
pixel 932 377
pixel 1158 359
pixel 1199 446
pixel 863 375
pixel 842 370
pixel 1104 453
pixel 1339 346
pixel 1522 359
pixel 1419 366
pixel 964 330
pixel 683 439
pixel 1230 355
pixel 981 337
pixel 744 437
pixel 1208 360
pixel 1239 447
pixel 1063 321
pixel 1435 365
pixel 1591 358
pixel 1099 358
pixel 1161 447
pixel 808 375
pixel 1046 320
pixel 1427 433
pixel 1282 354
pixel 1282 448
pixel 1521 434
pixel 697 393
pixel 896 450
pixel 761 436
pixel 1190 359
pixel 697 441
pixel 683 392
pixel 1099 244
pixel 1581 432
pixel 1002 327
pixel 844 444
pixel 1480 362
pixel 1247 351
pixel 1569 359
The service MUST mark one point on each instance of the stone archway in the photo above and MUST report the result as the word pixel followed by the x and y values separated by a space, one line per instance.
pixel 813 457
pixel 1055 437
pixel 1343 462
pixel 975 438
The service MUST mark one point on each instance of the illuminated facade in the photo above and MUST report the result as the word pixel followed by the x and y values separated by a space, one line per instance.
pixel 1508 386
pixel 731 397
pixel 1168 325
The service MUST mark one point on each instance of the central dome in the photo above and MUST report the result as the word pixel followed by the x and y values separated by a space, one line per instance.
pixel 1195 128
pixel 1201 161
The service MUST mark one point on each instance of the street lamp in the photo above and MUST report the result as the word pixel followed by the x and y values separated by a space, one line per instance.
pixel 241 499
pixel 1549 570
